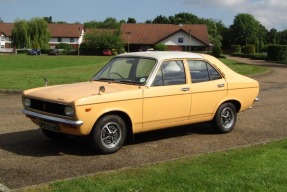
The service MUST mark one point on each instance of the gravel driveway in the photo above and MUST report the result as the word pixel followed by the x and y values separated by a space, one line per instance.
pixel 28 158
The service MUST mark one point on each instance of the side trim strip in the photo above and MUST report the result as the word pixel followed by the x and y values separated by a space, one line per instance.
pixel 50 118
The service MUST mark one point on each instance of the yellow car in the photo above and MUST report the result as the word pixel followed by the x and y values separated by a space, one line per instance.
pixel 138 92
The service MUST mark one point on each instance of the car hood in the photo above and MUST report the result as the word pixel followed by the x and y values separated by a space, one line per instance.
pixel 68 93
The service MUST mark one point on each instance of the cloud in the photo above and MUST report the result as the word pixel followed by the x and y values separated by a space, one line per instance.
pixel 270 13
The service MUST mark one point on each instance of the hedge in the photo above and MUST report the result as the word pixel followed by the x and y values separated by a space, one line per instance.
pixel 248 49
pixel 277 53
pixel 235 48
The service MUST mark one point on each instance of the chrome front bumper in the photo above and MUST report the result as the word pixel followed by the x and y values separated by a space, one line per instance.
pixel 50 118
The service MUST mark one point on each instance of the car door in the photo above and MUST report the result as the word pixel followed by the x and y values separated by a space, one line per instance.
pixel 207 89
pixel 169 97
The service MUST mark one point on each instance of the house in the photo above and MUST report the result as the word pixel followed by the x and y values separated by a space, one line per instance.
pixel 186 37
pixel 66 33
pixel 5 34
pixel 60 33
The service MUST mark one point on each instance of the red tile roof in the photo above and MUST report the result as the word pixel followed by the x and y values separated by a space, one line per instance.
pixel 6 28
pixel 151 34
pixel 65 30
pixel 56 30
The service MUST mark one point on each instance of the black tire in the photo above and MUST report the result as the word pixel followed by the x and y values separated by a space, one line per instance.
pixel 108 134
pixel 225 118
pixel 54 135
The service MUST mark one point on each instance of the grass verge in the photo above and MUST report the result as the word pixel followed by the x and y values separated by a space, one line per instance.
pixel 256 168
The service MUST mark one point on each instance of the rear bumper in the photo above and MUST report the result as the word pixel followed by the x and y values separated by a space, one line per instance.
pixel 255 100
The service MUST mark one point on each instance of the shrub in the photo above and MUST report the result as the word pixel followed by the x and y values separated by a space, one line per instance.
pixel 235 48
pixel 258 56
pixel 248 49
pixel 237 54
pixel 277 52
pixel 64 46
pixel 216 51
pixel 160 47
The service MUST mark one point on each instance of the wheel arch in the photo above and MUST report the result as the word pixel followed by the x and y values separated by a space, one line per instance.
pixel 126 119
pixel 236 104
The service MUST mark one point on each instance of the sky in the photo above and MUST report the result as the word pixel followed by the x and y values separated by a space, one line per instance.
pixel 270 13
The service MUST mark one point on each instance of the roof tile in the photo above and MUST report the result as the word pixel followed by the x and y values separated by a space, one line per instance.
pixel 153 33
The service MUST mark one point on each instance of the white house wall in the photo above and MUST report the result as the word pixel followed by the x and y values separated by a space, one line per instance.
pixel 187 40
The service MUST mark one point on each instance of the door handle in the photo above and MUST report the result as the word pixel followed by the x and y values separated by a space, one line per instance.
pixel 185 89
pixel 220 85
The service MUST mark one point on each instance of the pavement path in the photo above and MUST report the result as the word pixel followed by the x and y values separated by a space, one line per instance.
pixel 29 158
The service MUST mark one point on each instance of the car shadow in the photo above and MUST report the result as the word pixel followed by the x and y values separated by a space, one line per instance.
pixel 200 128
pixel 34 143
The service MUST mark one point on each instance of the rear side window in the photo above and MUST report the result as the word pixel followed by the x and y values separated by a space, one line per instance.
pixel 202 71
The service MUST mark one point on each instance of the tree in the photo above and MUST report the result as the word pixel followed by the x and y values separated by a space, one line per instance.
pixel 261 37
pixel 108 23
pixel 104 40
pixel 185 18
pixel 161 20
pixel 111 23
pixel 272 36
pixel 282 37
pixel 20 35
pixel 39 33
pixel 244 29
pixel 131 20
pixel 30 34
pixel 48 19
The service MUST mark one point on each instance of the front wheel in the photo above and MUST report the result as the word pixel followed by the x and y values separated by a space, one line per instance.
pixel 225 118
pixel 108 134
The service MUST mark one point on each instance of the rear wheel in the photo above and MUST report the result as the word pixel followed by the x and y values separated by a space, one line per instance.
pixel 108 134
pixel 225 118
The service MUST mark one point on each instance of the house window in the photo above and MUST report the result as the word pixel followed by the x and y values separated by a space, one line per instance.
pixel 2 47
pixel 2 38
pixel 72 40
pixel 59 39
pixel 180 40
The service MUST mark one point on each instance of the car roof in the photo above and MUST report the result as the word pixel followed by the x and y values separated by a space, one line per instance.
pixel 163 55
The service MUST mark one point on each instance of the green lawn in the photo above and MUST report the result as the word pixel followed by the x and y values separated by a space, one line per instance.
pixel 244 69
pixel 20 72
pixel 258 168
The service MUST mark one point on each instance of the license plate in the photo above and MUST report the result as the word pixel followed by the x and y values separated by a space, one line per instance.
pixel 49 126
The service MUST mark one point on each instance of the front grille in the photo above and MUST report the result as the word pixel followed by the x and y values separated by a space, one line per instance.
pixel 47 107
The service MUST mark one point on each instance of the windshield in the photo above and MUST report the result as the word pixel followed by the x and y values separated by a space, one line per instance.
pixel 134 70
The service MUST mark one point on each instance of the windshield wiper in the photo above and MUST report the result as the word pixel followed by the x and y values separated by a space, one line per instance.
pixel 128 81
pixel 104 79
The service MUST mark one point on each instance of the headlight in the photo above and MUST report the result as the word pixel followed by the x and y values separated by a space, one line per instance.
pixel 69 111
pixel 27 102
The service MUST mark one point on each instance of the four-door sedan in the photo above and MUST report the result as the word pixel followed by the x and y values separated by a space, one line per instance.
pixel 138 92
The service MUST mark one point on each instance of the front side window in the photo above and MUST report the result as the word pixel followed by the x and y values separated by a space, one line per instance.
pixel 72 40
pixel 127 70
pixel 170 73
pixel 202 71
pixel 59 39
